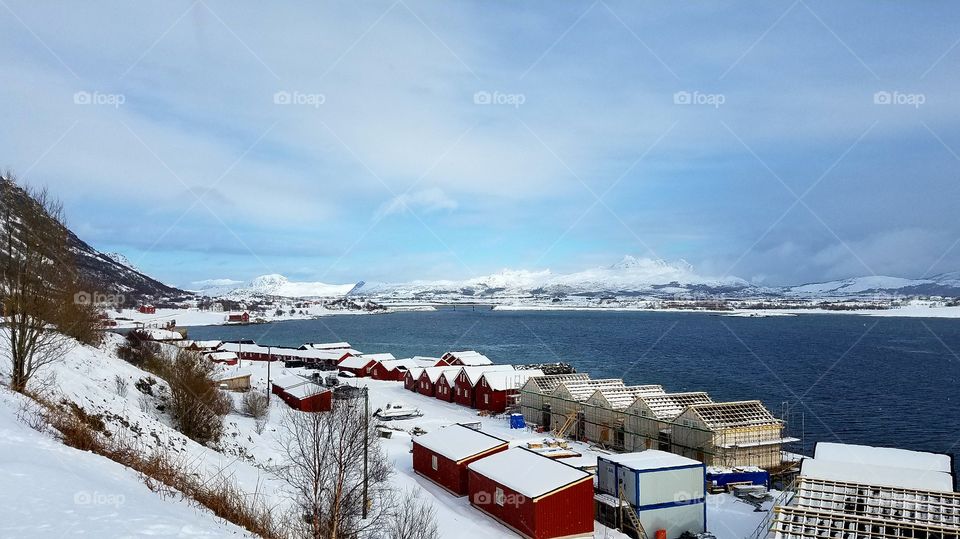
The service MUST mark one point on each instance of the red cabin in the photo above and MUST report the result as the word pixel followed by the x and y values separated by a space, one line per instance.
pixel 243 318
pixel 537 497
pixel 426 383
pixel 443 389
pixel 467 379
pixel 496 389
pixel 147 309
pixel 309 397
pixel 442 456
pixel 411 380
pixel 359 366
pixel 392 369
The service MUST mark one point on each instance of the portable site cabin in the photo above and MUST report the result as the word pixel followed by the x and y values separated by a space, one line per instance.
pixel 740 433
pixel 879 492
pixel 666 491
pixel 533 393
pixel 566 403
pixel 358 366
pixel 537 497
pixel 465 382
pixel 309 397
pixel 603 412
pixel 467 358
pixel 442 456
pixel 497 390
pixel 650 415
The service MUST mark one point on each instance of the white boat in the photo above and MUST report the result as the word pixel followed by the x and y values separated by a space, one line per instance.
pixel 396 410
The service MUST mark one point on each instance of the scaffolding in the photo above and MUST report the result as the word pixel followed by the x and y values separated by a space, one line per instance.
pixel 792 522
pixel 742 433
pixel 532 404
pixel 603 413
pixel 649 418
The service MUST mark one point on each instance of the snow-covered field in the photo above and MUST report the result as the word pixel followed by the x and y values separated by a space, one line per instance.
pixel 129 318
pixel 55 483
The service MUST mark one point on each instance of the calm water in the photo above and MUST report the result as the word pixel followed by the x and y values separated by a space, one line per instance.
pixel 882 381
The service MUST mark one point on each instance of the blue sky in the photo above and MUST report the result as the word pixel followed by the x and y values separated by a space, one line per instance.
pixel 781 142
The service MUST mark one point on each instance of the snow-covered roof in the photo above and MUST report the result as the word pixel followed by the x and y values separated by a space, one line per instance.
pixel 356 362
pixel 528 473
pixel 416 372
pixel 231 374
pixel 327 345
pixel 548 383
pixel 200 344
pixel 882 456
pixel 504 380
pixel 457 442
pixel 288 381
pixel 379 357
pixel 873 474
pixel 393 364
pixel 434 373
pixel 724 415
pixel 670 405
pixel 474 373
pixel 580 390
pixel 221 356
pixel 619 398
pixel 162 334
pixel 651 459
pixel 424 361
pixel 323 355
pixel 306 390
pixel 468 358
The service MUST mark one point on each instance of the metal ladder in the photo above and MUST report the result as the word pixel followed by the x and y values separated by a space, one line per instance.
pixel 783 499
pixel 632 515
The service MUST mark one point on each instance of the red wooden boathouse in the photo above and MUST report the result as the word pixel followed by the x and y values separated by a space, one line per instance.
pixel 442 456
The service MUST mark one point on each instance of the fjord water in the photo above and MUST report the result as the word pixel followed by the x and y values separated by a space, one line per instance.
pixel 856 379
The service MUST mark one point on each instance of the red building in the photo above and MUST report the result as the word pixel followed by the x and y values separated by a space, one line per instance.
pixel 392 369
pixel 309 397
pixel 147 309
pixel 537 497
pixel 280 385
pixel 411 380
pixel 443 389
pixel 426 383
pixel 359 366
pixel 496 389
pixel 442 456
pixel 243 318
pixel 467 358
pixel 467 379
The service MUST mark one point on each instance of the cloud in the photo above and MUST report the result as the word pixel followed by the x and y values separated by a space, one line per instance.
pixel 423 201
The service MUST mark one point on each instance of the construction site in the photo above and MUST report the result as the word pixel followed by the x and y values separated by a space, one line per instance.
pixel 613 415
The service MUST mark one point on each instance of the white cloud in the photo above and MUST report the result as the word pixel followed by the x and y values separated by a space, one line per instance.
pixel 423 201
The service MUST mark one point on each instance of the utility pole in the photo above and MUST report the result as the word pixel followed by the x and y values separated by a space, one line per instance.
pixel 269 361
pixel 239 354
pixel 366 445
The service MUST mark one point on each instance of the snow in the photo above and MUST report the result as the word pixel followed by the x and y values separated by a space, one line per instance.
pixel 51 490
pixel 651 459
pixel 288 381
pixel 379 357
pixel 163 334
pixel 526 472
pixel 230 374
pixel 873 474
pixel 502 381
pixel 355 362
pixel 277 285
pixel 469 358
pixel 457 442
pixel 328 345
pixel 130 318
pixel 474 373
pixel 882 456
pixel 221 356
pixel 305 390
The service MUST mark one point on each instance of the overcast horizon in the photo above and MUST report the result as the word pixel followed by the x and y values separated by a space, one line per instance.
pixel 779 142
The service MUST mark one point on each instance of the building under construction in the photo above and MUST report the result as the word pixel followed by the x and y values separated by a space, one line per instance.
pixel 634 418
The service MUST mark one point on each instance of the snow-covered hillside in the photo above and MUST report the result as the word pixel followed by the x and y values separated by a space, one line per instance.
pixel 272 285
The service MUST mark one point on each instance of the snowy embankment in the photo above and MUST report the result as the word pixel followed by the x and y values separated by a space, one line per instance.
pixel 51 490
pixel 129 318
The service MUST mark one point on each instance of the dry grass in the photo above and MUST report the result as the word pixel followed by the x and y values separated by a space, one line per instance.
pixel 162 473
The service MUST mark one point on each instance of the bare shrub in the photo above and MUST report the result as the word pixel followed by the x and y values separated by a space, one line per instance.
pixel 256 405
pixel 324 467
pixel 196 404
pixel 412 518
pixel 121 385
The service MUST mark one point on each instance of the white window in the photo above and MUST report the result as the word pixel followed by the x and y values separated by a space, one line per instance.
pixel 486 399
pixel 498 497
pixel 433 461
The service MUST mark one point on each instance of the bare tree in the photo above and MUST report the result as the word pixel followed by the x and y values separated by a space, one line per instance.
pixel 36 268
pixel 196 403
pixel 325 469
pixel 412 518
pixel 256 405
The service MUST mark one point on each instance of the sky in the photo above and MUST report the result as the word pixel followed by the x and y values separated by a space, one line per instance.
pixel 780 142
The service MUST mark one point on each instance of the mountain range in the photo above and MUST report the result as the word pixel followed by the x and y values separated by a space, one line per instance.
pixel 631 277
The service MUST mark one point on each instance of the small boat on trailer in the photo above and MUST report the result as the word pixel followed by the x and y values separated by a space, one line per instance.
pixel 396 410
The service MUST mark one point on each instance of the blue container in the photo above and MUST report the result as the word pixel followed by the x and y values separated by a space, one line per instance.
pixel 517 422
pixel 760 477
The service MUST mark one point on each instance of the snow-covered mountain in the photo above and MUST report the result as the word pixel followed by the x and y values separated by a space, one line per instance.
pixel 945 284
pixel 271 285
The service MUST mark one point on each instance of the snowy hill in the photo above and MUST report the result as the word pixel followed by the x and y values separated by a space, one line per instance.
pixel 272 285
pixel 946 284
